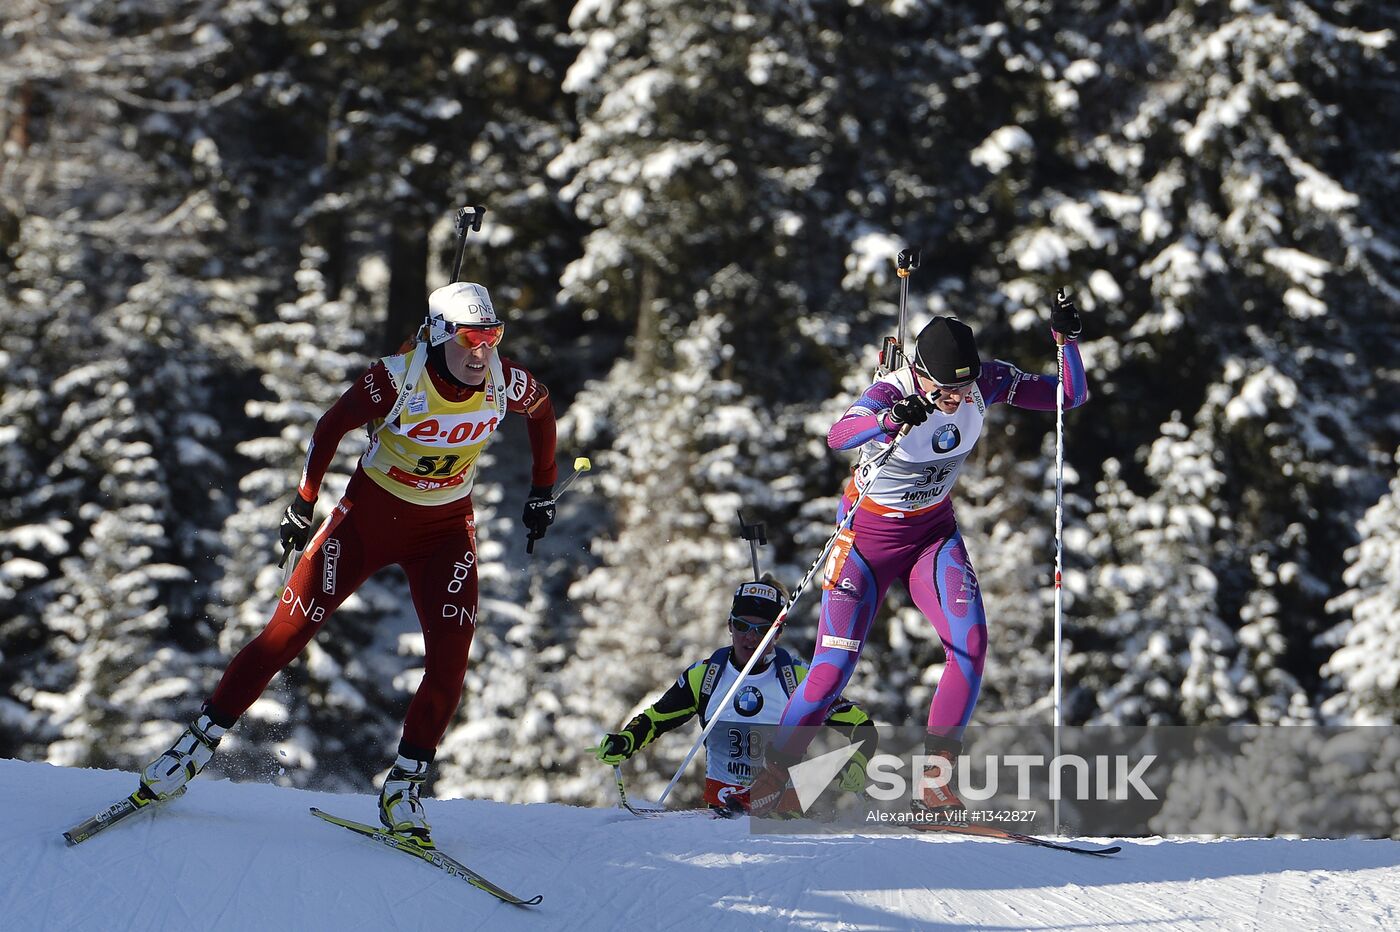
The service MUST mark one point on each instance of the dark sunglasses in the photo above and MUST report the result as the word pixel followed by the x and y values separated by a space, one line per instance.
pixel 741 626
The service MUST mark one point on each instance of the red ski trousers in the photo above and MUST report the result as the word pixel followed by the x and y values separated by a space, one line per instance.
pixel 369 529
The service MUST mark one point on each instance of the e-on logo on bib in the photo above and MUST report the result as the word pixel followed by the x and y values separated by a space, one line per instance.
pixel 749 702
pixel 946 438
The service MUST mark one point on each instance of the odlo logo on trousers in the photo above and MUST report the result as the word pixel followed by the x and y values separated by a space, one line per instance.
pixel 461 571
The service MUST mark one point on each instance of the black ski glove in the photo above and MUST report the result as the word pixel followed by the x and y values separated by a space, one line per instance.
pixel 296 526
pixel 614 748
pixel 539 513
pixel 1064 318
pixel 912 411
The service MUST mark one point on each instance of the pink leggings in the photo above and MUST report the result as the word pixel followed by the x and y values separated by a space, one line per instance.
pixel 928 554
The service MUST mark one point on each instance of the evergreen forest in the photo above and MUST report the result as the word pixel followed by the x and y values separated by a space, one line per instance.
pixel 214 214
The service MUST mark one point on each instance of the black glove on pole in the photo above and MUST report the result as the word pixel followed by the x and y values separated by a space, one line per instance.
pixel 911 411
pixel 539 514
pixel 1064 318
pixel 295 530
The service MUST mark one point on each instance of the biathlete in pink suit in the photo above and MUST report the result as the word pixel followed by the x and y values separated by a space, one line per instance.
pixel 408 502
pixel 906 530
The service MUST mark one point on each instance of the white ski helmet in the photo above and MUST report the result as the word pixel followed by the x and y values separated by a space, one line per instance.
pixel 461 304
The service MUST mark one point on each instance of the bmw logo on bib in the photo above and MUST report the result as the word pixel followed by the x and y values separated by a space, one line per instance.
pixel 749 702
pixel 946 438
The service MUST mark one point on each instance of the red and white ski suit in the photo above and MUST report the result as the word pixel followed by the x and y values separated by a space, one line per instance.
pixel 408 502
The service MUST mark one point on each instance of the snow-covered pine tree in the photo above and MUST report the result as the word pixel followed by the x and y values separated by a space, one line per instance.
pixel 1364 668
pixel 1215 174
pixel 118 328
pixel 1157 650
pixel 398 120
pixel 1215 213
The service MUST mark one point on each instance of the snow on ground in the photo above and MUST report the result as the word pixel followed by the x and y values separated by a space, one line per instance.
pixel 250 856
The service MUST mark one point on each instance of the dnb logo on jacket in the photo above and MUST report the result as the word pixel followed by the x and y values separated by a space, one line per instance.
pixel 749 702
pixel 947 438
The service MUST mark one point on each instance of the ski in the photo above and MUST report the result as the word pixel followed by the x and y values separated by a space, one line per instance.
pixel 115 813
pixel 988 831
pixel 431 855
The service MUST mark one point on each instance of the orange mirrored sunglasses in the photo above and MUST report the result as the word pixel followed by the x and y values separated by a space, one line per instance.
pixel 473 337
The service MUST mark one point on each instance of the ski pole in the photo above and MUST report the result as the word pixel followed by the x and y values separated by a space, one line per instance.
pixel 287 573
pixel 622 795
pixel 878 464
pixel 581 465
pixel 1059 542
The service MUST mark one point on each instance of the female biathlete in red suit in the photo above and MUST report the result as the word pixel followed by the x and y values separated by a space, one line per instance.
pixel 408 502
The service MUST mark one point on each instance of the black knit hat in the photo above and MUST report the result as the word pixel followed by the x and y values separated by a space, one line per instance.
pixel 757 600
pixel 946 351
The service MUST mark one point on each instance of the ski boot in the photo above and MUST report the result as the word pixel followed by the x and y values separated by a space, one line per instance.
pixel 167 775
pixel 936 801
pixel 400 810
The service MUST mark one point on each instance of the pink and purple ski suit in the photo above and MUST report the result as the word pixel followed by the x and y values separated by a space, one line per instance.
pixel 906 530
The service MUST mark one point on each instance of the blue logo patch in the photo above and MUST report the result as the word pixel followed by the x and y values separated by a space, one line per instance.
pixel 749 702
pixel 947 438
